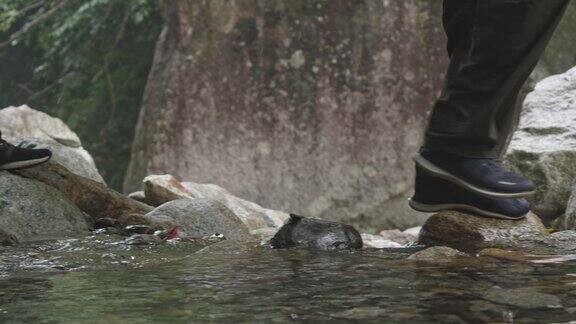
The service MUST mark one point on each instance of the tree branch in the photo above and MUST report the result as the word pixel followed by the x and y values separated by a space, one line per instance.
pixel 31 24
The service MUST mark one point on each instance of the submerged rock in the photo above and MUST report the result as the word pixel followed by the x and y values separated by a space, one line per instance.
pixel 316 234
pixel 436 253
pixel 143 239
pixel 544 147
pixel 201 218
pixel 160 189
pixel 522 297
pixel 31 210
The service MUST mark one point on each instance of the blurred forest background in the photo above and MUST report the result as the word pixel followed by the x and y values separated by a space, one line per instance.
pixel 88 61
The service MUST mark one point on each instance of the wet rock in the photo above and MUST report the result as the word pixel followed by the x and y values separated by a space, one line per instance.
pixel 7 239
pixel 138 229
pixel 202 217
pixel 105 222
pixel 133 219
pixel 316 234
pixel 467 232
pixel 143 239
pixel 378 242
pixel 362 313
pixel 92 197
pixel 528 298
pixel 436 254
pixel 160 189
pixel 398 236
pixel 544 147
pixel 31 210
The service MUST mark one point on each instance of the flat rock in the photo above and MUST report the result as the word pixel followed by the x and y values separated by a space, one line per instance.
pixel 544 146
pixel 31 210
pixel 528 298
pixel 160 189
pixel 316 234
pixel 203 217
pixel 467 232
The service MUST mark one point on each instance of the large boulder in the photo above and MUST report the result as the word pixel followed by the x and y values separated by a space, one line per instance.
pixel 159 189
pixel 23 123
pixel 472 233
pixel 31 210
pixel 316 234
pixel 297 111
pixel 544 147
pixel 200 218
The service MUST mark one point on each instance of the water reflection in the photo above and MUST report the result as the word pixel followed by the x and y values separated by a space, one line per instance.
pixel 103 280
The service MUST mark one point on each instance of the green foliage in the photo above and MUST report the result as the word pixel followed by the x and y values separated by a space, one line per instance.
pixel 85 62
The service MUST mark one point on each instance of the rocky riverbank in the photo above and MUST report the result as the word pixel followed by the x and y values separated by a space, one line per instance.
pixel 67 197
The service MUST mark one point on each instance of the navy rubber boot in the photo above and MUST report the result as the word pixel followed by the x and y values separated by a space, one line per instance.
pixel 486 177
pixel 433 194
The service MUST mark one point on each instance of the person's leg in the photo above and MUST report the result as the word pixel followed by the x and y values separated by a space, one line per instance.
pixel 493 47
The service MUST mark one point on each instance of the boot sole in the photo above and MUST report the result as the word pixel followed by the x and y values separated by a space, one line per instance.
pixel 436 171
pixel 24 164
pixel 426 208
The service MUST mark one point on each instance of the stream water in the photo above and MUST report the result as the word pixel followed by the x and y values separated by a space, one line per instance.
pixel 102 280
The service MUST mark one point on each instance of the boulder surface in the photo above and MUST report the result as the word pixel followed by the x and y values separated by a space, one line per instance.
pixel 31 210
pixel 544 146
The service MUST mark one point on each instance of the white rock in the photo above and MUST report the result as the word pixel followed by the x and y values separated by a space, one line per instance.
pixel 414 231
pixel 544 147
pixel 378 242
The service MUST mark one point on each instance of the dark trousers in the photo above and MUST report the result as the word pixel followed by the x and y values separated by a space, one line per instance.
pixel 493 46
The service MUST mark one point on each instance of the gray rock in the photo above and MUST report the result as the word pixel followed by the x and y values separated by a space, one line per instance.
pixel 378 242
pixel 436 254
pixel 160 221
pixel 544 147
pixel 528 298
pixel 160 189
pixel 31 210
pixel 202 217
pixel 139 196
pixel 316 234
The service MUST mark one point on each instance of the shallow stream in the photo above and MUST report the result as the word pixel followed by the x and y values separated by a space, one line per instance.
pixel 102 280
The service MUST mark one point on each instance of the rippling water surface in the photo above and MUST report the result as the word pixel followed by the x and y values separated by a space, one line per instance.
pixel 102 280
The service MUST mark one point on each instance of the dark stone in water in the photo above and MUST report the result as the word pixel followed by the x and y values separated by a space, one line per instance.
pixel 7 239
pixel 138 229
pixel 316 234
pixel 105 222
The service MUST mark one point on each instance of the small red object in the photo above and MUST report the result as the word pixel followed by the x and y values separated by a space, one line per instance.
pixel 172 233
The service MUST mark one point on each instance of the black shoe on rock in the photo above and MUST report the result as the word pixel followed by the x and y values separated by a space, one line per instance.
pixel 18 157
pixel 434 194
pixel 486 177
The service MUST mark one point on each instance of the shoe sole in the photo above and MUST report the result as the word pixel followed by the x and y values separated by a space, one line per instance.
pixel 436 171
pixel 426 208
pixel 24 164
